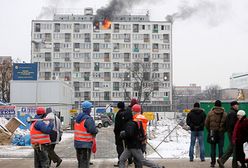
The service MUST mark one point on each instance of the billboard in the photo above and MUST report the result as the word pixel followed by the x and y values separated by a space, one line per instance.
pixel 7 111
pixel 25 71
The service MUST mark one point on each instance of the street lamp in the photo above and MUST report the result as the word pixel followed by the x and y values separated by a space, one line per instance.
pixel 96 89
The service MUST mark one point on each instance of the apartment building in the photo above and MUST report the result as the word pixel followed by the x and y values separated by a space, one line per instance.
pixel 96 57
pixel 239 80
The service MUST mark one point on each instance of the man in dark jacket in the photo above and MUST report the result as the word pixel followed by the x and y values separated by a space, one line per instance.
pixel 195 120
pixel 230 123
pixel 132 135
pixel 119 126
pixel 215 122
pixel 85 132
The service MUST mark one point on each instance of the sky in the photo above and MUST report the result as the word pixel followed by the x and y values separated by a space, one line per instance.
pixel 210 37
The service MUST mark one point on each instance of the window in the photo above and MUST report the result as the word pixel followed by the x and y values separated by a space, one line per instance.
pixel 155 28
pixel 76 66
pixel 135 28
pixel 57 27
pixel 86 76
pixel 146 38
pixel 116 47
pixel 146 76
pixel 107 37
pixel 87 37
pixel 67 37
pixel 116 66
pixel 96 47
pixel 127 76
pixel 116 27
pixel 48 37
pixel 107 76
pixel 162 27
pixel 47 75
pixel 56 47
pixel 106 57
pixel 47 56
pixel 106 95
pixel 155 66
pixel 155 47
pixel 136 66
pixel 126 57
pixel 37 27
pixel 116 86
pixel 76 46
pixel 166 38
pixel 146 57
pixel 166 57
pixel 76 27
pixel 96 66
pixel 166 76
pixel 143 27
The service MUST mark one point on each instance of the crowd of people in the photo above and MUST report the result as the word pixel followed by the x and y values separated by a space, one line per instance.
pixel 131 136
pixel 217 122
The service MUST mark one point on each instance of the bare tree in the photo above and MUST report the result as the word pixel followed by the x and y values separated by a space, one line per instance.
pixel 142 80
pixel 212 92
pixel 5 75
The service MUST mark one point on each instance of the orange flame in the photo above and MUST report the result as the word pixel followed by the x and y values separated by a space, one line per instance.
pixel 106 24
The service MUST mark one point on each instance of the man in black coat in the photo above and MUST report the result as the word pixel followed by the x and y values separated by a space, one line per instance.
pixel 230 123
pixel 133 135
pixel 195 120
pixel 119 126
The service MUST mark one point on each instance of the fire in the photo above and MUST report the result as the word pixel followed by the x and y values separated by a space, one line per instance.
pixel 106 24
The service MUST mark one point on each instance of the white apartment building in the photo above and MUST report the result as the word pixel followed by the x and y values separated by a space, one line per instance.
pixel 96 57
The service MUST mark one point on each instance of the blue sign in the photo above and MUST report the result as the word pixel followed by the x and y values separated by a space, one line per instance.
pixel 25 71
pixel 6 111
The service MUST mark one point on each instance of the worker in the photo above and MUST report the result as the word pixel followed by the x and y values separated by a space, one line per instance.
pixel 84 135
pixel 55 137
pixel 40 139
pixel 133 135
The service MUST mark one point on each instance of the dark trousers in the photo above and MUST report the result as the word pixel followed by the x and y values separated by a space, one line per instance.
pixel 220 147
pixel 41 159
pixel 52 155
pixel 83 157
pixel 231 151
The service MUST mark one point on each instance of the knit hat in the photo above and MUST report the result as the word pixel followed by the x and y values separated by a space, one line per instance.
pixel 217 103
pixel 241 113
pixel 133 102
pixel 197 104
pixel 234 103
pixel 121 105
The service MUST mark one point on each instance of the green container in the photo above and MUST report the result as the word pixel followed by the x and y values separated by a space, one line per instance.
pixel 207 106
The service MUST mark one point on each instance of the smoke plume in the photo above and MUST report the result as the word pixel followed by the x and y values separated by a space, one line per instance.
pixel 117 7
pixel 213 11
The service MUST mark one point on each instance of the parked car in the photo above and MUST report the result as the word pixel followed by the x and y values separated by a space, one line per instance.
pixel 98 122
pixel 106 121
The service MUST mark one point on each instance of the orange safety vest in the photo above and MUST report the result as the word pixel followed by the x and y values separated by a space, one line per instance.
pixel 38 137
pixel 142 118
pixel 81 134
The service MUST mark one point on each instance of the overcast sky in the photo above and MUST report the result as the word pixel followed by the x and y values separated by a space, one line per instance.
pixel 210 37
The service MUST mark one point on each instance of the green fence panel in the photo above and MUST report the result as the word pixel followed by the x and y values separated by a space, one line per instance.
pixel 207 106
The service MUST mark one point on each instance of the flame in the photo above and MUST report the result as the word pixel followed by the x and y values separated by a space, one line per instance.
pixel 106 24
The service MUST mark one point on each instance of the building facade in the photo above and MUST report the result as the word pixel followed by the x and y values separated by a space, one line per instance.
pixel 186 96
pixel 239 80
pixel 97 57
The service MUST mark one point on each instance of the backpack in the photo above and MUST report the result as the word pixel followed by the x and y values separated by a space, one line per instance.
pixel 141 135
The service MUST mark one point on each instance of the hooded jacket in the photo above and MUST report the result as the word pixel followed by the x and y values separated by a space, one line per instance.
pixel 119 125
pixel 216 119
pixel 91 128
pixel 196 119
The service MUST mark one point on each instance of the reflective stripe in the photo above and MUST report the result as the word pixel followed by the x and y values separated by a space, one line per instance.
pixel 81 134
pixel 38 137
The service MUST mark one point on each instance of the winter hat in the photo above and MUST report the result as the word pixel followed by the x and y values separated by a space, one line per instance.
pixel 121 105
pixel 217 103
pixel 197 104
pixel 241 113
pixel 234 103
pixel 133 101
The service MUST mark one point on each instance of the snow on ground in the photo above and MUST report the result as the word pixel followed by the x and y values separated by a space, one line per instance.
pixel 176 145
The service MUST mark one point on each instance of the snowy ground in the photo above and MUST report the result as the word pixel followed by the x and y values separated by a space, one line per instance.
pixel 23 151
pixel 176 145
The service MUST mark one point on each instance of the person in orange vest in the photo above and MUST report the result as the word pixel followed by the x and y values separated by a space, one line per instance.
pixel 138 117
pixel 40 139
pixel 84 135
